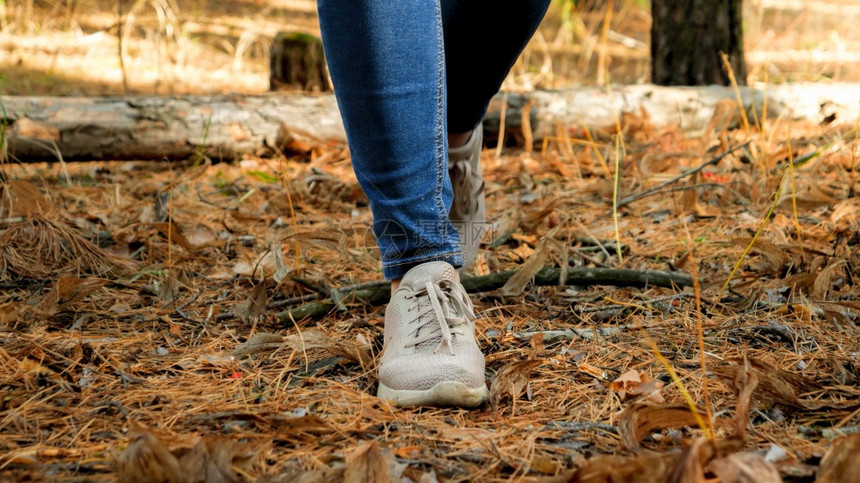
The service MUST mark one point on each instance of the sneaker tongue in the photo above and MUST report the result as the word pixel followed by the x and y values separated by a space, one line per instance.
pixel 417 277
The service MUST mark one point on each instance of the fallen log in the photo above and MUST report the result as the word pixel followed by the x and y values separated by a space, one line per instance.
pixel 622 277
pixel 227 127
pixel 156 128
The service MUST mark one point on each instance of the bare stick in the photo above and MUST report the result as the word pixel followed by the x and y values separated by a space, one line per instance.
pixel 582 276
pixel 672 189
pixel 310 297
pixel 681 176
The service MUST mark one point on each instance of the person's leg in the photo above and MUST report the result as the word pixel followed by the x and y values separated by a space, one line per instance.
pixel 386 61
pixel 483 39
pixel 477 63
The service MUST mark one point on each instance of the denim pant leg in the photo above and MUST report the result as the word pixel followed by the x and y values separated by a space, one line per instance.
pixel 386 61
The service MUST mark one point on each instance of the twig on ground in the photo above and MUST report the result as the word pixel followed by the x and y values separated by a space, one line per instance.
pixel 291 301
pixel 583 276
pixel 109 404
pixel 343 292
pixel 582 426
pixel 273 305
pixel 737 195
pixel 592 238
pixel 589 259
pixel 324 291
pixel 187 318
pixel 556 335
pixel 127 378
pixel 189 301
pixel 333 294
pixel 681 176
pixel 9 221
pixel 654 301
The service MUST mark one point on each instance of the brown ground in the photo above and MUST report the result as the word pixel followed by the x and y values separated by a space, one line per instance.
pixel 131 322
pixel 133 342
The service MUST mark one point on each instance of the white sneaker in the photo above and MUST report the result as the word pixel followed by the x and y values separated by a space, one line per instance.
pixel 468 212
pixel 430 356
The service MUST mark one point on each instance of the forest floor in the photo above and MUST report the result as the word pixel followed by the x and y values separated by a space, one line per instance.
pixel 199 321
pixel 153 317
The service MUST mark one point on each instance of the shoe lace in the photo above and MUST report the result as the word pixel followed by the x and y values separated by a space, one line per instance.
pixel 436 300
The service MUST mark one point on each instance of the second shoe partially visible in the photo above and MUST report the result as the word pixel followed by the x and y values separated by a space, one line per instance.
pixel 430 355
pixel 468 213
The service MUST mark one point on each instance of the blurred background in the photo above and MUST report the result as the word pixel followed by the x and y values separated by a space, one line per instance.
pixel 90 47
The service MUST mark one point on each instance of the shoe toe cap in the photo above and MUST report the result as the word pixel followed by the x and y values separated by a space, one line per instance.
pixel 422 373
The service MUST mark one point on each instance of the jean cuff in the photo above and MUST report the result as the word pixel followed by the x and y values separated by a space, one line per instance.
pixel 398 268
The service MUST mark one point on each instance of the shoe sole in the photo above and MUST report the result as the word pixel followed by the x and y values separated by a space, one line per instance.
pixel 443 394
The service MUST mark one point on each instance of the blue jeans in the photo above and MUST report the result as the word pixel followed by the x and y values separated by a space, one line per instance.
pixel 405 73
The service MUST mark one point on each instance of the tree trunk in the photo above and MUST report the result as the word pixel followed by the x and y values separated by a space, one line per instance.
pixel 115 128
pixel 688 37
pixel 297 62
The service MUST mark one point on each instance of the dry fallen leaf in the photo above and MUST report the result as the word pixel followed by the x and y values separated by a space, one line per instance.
pixel 147 460
pixel 201 235
pixel 259 342
pixel 9 312
pixel 408 452
pixel 67 291
pixel 632 383
pixel 841 463
pixel 744 468
pixel 309 423
pixel 775 258
pixel 690 466
pixel 511 380
pixel 170 288
pixel 372 463
pixel 774 384
pixel 257 265
pixel 655 468
pixel 254 305
pixel 518 281
pixel 172 232
pixel 315 338
pixel 745 383
pixel 824 281
pixel 22 198
pixel 846 212
pixel 591 370
pixel 611 469
pixel 641 419
pixel 210 461
pixel 281 270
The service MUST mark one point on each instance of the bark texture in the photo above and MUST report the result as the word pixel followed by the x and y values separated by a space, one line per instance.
pixel 115 128
pixel 687 37
pixel 297 62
